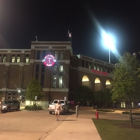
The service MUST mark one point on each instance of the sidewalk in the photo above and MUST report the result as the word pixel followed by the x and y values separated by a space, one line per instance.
pixel 81 128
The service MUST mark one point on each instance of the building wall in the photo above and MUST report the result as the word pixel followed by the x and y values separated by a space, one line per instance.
pixel 85 66
pixel 19 66
pixel 16 74
pixel 12 62
pixel 62 52
pixel 26 75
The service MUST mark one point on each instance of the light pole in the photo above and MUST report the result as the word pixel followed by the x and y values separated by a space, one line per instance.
pixel 109 42
pixel 109 55
pixel 20 96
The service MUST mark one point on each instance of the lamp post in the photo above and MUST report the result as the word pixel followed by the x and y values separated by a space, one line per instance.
pixel 109 56
pixel 109 42
pixel 20 96
pixel 5 85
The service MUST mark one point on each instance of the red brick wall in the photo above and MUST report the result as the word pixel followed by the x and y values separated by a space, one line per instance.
pixel 2 70
pixel 27 76
pixel 13 76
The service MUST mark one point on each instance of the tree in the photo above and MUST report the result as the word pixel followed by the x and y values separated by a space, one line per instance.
pixel 84 94
pixel 103 98
pixel 107 97
pixel 34 89
pixel 126 83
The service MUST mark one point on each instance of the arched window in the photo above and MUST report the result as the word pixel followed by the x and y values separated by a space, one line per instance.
pixel 108 84
pixel 97 84
pixel 85 81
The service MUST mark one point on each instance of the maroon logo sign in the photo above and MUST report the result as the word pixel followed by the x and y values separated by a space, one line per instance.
pixel 100 72
pixel 49 60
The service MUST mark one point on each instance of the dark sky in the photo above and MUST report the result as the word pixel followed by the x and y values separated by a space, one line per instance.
pixel 50 20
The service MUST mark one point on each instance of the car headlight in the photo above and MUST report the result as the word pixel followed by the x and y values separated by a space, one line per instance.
pixel 4 107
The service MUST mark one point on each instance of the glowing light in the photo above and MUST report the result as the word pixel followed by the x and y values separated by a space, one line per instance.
pixel 107 82
pixel 85 79
pixel 97 80
pixel 108 40
pixel 19 91
pixel 49 60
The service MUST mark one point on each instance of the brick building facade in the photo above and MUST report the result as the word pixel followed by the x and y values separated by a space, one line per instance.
pixel 19 66
pixel 91 72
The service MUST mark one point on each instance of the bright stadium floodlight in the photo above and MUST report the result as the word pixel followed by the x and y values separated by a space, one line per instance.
pixel 109 42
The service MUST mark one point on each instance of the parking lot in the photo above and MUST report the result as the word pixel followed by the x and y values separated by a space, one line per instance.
pixel 27 125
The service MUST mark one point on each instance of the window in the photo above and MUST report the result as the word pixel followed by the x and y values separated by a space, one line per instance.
pixel 55 69
pixel 61 55
pixel 38 54
pixel 54 81
pixel 13 58
pixel 37 68
pixel 83 63
pixel 4 58
pixel 132 103
pixel 56 54
pixel 61 68
pixel 97 84
pixel 123 105
pixel 85 81
pixel 27 58
pixel 86 64
pixel 18 59
pixel 89 65
pixel 94 66
pixel 98 67
pixel 42 75
pixel 43 69
pixel 108 82
pixel 42 80
pixel 44 54
pixel 108 69
pixel 101 68
pixel 60 82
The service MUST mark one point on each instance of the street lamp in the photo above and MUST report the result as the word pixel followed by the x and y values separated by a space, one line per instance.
pixel 20 96
pixel 19 91
pixel 109 42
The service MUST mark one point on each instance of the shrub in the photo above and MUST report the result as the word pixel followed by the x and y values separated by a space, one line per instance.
pixel 33 107
pixel 105 110
pixel 133 113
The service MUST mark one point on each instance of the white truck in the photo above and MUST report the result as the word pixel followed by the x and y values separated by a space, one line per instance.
pixel 65 106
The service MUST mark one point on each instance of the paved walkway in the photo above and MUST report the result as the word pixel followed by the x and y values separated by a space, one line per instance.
pixel 74 129
pixel 81 128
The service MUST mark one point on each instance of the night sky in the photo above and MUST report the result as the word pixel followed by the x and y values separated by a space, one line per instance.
pixel 50 20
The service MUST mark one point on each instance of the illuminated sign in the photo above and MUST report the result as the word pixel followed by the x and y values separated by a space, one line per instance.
pixel 100 72
pixel 49 60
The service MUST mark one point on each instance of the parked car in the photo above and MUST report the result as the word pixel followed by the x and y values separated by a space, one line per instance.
pixel 65 106
pixel 9 105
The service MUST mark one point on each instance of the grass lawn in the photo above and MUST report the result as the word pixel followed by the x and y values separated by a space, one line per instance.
pixel 117 129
